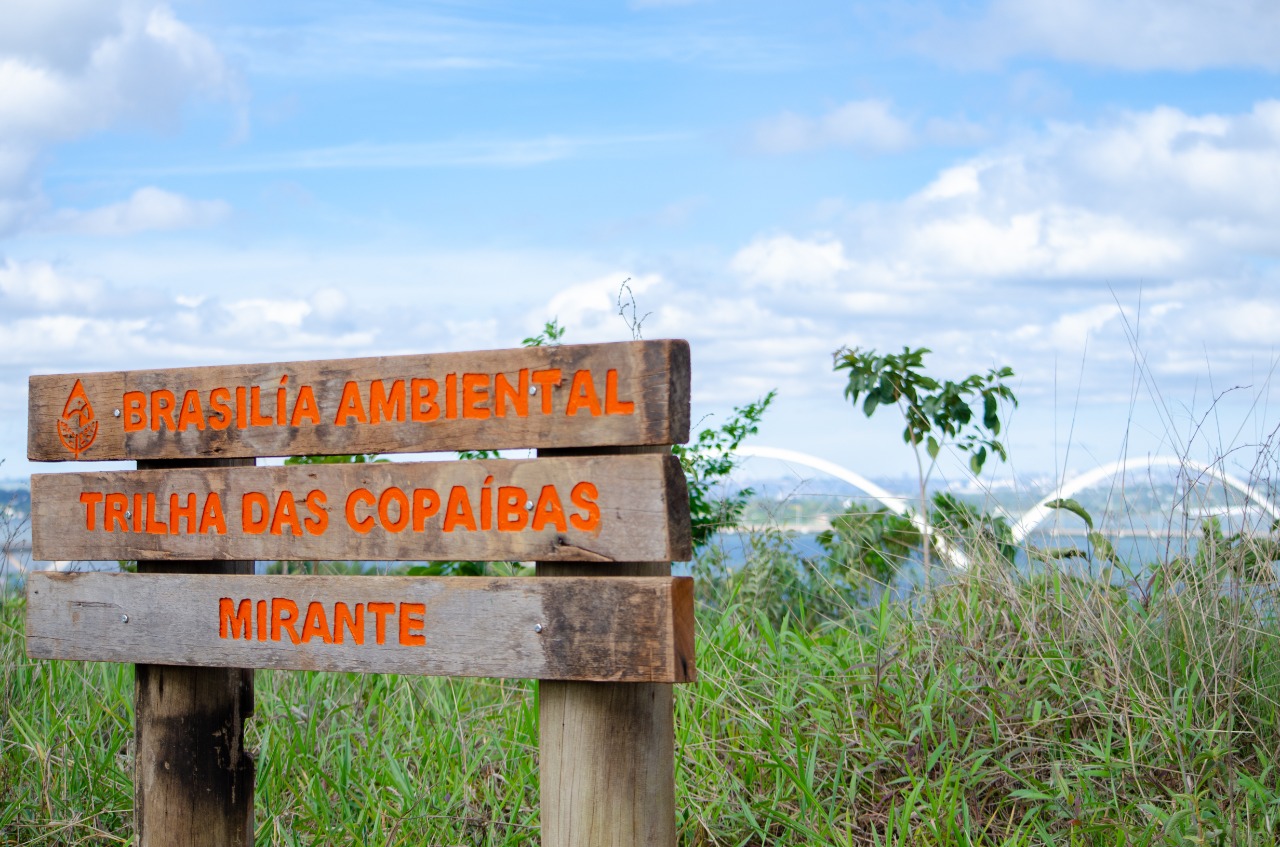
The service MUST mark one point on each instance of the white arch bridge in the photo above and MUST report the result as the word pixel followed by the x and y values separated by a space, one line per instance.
pixel 1034 516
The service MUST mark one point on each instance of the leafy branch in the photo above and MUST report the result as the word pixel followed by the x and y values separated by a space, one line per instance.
pixel 709 461
pixel 936 413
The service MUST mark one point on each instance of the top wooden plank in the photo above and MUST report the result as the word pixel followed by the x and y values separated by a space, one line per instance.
pixel 590 395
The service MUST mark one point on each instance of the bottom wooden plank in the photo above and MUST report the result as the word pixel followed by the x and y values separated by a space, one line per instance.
pixel 637 629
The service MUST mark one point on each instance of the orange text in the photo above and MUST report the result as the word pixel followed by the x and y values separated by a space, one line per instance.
pixel 280 618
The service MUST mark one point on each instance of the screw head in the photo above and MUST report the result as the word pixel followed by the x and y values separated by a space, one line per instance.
pixel 537 627
pixel 116 412
pixel 124 619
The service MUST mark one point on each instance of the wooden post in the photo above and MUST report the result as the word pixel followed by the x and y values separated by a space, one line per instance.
pixel 193 780
pixel 607 750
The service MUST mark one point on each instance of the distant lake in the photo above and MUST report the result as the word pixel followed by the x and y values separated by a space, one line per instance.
pixel 1135 551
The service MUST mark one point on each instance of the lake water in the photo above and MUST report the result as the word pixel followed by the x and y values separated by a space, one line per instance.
pixel 1135 551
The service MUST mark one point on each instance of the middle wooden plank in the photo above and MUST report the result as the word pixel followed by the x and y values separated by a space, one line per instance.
pixel 592 509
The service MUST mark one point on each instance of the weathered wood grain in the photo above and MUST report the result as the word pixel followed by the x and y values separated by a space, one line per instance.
pixel 607 394
pixel 607 751
pixel 623 630
pixel 193 778
pixel 570 509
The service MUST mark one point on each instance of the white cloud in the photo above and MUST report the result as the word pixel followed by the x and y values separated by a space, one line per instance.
pixel 142 66
pixel 955 132
pixel 1141 198
pixel 1067 243
pixel 786 261
pixel 72 67
pixel 39 285
pixel 867 125
pixel 328 303
pixel 1184 35
pixel 1247 320
pixel 260 314
pixel 146 209
pixel 590 310
pixel 1070 332
pixel 52 319
pixel 506 153
pixel 56 33
pixel 953 182
pixel 387 40
pixel 1048 243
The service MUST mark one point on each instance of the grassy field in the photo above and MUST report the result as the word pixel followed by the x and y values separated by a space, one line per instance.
pixel 994 708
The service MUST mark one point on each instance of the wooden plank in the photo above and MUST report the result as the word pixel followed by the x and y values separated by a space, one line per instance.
pixel 607 751
pixel 569 509
pixel 575 395
pixel 625 630
pixel 193 779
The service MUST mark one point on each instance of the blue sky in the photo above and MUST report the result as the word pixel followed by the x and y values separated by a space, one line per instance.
pixel 1088 192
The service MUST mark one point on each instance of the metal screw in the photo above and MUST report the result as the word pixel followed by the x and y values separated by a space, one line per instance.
pixel 528 504
pixel 116 413
pixel 128 516
pixel 537 627
pixel 124 619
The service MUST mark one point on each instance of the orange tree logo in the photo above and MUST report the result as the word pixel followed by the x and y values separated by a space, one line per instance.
pixel 77 428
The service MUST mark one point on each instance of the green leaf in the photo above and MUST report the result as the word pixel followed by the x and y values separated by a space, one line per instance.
pixel 977 460
pixel 349 458
pixel 550 336
pixel 1103 548
pixel 1032 794
pixel 933 447
pixel 1047 554
pixel 990 416
pixel 1074 507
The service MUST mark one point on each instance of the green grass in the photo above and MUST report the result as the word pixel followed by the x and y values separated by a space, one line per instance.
pixel 993 709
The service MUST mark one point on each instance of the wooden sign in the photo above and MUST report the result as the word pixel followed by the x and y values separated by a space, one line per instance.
pixel 631 393
pixel 589 508
pixel 636 629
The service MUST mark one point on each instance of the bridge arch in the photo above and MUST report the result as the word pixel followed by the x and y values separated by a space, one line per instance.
pixel 1038 513
pixel 895 503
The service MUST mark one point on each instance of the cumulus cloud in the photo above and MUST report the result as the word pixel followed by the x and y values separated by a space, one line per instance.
pixel 146 209
pixel 56 318
pixel 592 308
pixel 1183 35
pixel 1153 192
pixel 786 261
pixel 39 285
pixel 867 125
pixel 142 62
pixel 1083 240
pixel 71 67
